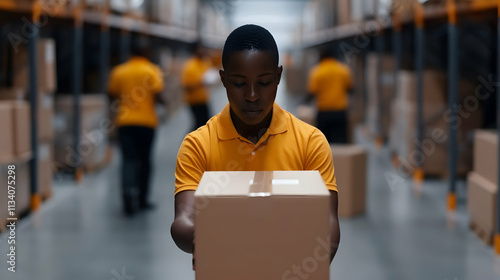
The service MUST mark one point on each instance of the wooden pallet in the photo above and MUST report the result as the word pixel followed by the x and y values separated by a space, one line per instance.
pixel 485 235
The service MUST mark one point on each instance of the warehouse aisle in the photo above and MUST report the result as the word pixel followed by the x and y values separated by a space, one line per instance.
pixel 82 234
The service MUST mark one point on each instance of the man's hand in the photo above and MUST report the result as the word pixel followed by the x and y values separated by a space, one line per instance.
pixel 334 224
pixel 182 229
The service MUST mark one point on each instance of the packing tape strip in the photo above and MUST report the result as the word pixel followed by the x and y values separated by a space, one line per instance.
pixel 261 185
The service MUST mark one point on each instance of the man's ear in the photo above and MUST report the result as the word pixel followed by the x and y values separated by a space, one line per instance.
pixel 222 75
pixel 280 71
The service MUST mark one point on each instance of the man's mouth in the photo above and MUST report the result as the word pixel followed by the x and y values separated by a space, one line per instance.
pixel 252 110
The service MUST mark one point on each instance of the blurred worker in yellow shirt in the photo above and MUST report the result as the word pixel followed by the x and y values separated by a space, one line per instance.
pixel 330 82
pixel 134 86
pixel 195 87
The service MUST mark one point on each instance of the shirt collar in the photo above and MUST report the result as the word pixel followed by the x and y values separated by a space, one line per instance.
pixel 227 131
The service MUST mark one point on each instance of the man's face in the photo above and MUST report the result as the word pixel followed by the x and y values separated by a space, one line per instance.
pixel 251 79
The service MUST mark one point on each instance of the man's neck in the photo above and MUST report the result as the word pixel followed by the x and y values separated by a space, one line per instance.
pixel 252 132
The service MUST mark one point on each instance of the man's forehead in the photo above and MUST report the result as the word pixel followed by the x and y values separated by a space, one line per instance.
pixel 250 59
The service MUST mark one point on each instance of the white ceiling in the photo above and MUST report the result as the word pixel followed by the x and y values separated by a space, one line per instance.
pixel 280 17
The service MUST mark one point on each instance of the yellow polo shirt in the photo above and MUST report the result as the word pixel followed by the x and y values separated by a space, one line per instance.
pixel 330 82
pixel 192 76
pixel 135 83
pixel 288 144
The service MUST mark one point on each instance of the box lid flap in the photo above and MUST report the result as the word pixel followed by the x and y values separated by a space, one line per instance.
pixel 262 183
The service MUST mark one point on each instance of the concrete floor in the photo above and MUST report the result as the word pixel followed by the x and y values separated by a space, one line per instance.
pixel 81 234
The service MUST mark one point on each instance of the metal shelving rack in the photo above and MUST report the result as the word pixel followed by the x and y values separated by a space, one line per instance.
pixel 78 17
pixel 450 12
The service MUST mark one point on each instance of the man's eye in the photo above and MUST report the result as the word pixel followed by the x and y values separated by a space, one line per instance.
pixel 265 84
pixel 239 85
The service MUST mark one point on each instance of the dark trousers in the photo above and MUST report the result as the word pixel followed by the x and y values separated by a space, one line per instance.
pixel 333 124
pixel 200 114
pixel 135 144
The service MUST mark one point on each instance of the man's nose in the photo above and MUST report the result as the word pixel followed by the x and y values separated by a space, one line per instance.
pixel 252 95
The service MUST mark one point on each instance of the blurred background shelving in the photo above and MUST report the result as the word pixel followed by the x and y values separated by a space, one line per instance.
pixel 418 67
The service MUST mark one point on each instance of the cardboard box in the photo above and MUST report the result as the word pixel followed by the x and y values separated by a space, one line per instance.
pixel 307 114
pixel 434 90
pixel 7 128
pixel 402 140
pixel 248 225
pixel 45 172
pixel 343 11
pixel 94 110
pixel 380 89
pixel 46 68
pixel 486 154
pixel 482 202
pixel 350 163
pixel 23 193
pixel 46 118
pixel 22 127
pixel 12 94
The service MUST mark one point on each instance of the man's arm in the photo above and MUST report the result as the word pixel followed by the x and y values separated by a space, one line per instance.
pixel 182 229
pixel 334 224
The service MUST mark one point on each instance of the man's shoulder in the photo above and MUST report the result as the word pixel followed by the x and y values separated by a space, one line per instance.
pixel 298 126
pixel 202 134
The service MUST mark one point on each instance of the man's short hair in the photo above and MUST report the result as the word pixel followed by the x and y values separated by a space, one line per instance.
pixel 250 37
pixel 139 46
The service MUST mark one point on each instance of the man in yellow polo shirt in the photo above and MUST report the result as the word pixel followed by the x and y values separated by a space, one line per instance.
pixel 251 133
pixel 330 82
pixel 134 87
pixel 195 90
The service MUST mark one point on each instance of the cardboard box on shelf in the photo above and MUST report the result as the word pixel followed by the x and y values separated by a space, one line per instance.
pixel 92 153
pixel 94 129
pixel 46 118
pixel 350 163
pixel 403 138
pixel 23 193
pixel 343 11
pixel 485 154
pixel 252 219
pixel 434 89
pixel 307 114
pixel 7 128
pixel 46 67
pixel 94 112
pixel 379 73
pixel 12 94
pixel 22 127
pixel 481 203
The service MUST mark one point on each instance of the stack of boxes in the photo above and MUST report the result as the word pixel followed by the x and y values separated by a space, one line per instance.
pixel 482 185
pixel 95 125
pixel 175 12
pixel 47 84
pixel 380 88
pixel 433 153
pixel 16 122
pixel 15 149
